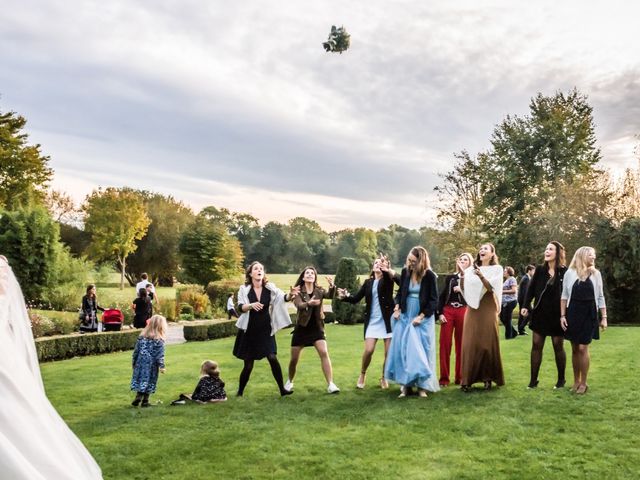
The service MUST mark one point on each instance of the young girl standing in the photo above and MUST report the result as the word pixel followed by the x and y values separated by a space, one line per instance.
pixel 148 360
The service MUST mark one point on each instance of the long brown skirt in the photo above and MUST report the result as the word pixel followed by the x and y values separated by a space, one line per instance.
pixel 481 360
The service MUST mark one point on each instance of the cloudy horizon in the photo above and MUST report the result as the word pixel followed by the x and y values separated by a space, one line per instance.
pixel 238 106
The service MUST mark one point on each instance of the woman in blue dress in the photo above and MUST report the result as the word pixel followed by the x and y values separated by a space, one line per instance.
pixel 412 354
pixel 377 291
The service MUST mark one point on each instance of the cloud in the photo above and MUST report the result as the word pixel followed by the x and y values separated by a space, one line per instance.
pixel 171 96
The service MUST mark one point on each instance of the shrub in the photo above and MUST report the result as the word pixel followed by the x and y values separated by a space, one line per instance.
pixel 194 296
pixel 58 348
pixel 209 330
pixel 168 310
pixel 346 277
pixel 41 326
pixel 219 291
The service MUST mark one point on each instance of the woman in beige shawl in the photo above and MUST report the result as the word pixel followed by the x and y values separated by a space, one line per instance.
pixel 481 286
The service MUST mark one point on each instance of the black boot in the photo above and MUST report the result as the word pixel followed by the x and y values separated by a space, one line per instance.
pixel 136 402
pixel 145 400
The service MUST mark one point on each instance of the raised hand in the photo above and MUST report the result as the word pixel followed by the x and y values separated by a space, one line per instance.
pixel 330 281
pixel 342 292
pixel 294 292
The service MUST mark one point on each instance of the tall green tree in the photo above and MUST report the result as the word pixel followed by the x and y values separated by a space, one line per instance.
pixel 272 248
pixel 24 171
pixel 157 252
pixel 115 218
pixel 243 226
pixel 209 253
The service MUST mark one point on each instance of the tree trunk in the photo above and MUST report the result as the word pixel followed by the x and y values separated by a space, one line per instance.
pixel 123 265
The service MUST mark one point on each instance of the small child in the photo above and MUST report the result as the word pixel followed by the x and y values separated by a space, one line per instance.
pixel 148 359
pixel 210 388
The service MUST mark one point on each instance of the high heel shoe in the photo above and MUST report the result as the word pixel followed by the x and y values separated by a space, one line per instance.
pixel 383 383
pixel 403 392
pixel 532 384
pixel 361 380
pixel 422 393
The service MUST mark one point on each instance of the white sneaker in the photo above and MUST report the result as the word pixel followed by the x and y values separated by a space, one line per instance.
pixel 288 386
pixel 333 388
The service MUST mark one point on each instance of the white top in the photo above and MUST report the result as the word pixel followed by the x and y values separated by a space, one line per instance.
pixel 474 289
pixel 570 278
pixel 35 442
pixel 277 308
pixel 230 305
pixel 143 284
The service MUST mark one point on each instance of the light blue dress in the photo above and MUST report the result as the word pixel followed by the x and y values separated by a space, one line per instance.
pixel 412 354
pixel 376 327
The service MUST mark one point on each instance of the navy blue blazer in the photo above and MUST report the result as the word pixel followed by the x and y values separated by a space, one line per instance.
pixel 428 292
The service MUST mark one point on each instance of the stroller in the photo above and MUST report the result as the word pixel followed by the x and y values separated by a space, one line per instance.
pixel 112 320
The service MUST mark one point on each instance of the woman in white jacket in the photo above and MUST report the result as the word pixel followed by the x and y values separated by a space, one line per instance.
pixel 263 313
pixel 582 297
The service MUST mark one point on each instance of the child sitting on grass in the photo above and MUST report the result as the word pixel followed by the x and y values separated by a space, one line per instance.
pixel 210 388
pixel 148 359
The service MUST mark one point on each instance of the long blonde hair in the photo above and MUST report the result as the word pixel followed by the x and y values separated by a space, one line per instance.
pixel 209 368
pixel 156 328
pixel 468 256
pixel 579 263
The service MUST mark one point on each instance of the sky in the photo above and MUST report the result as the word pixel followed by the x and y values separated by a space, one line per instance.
pixel 237 105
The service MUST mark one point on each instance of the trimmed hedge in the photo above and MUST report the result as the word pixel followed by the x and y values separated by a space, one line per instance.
pixel 58 348
pixel 199 331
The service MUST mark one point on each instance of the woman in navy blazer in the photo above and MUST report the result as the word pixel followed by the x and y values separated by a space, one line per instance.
pixel 377 291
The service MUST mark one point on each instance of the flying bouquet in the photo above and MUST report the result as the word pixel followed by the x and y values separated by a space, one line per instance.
pixel 339 40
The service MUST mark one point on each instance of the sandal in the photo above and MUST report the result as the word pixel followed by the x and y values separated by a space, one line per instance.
pixel 383 383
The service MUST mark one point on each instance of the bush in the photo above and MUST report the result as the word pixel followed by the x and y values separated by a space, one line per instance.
pixel 194 296
pixel 58 348
pixel 168 310
pixel 346 277
pixel 209 330
pixel 41 326
pixel 218 293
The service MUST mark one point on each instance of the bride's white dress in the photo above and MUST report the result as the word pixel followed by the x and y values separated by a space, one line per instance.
pixel 35 442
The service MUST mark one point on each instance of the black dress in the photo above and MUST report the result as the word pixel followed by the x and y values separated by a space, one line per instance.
pixel 545 314
pixel 256 342
pixel 142 312
pixel 582 314
pixel 209 388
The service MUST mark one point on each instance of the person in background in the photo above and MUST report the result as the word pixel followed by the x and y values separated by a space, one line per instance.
pixel 231 309
pixel 582 298
pixel 509 302
pixel 451 311
pixel 522 294
pixel 481 286
pixel 377 291
pixel 151 289
pixel 542 306
pixel 142 309
pixel 89 312
pixel 309 329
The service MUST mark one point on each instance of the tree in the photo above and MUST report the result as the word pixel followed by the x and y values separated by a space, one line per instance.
pixel 347 277
pixel 208 252
pixel 307 242
pixel 272 247
pixel 243 226
pixel 115 218
pixel 62 208
pixel 157 252
pixel 29 239
pixel 24 171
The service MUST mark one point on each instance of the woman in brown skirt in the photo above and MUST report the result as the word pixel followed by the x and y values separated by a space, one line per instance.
pixel 481 286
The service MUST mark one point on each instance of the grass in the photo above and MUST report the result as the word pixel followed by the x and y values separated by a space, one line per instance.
pixel 509 432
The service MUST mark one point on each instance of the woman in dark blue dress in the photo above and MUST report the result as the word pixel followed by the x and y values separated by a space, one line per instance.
pixel 582 297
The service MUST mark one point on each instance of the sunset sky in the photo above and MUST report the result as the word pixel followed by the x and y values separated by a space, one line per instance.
pixel 237 105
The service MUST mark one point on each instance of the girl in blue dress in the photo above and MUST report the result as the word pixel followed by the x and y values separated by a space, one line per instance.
pixel 148 360
pixel 412 354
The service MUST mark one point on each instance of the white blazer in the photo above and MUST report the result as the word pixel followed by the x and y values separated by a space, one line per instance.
pixel 570 279
pixel 473 288
pixel 277 308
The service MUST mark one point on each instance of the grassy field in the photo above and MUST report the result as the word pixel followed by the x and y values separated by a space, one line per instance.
pixel 505 433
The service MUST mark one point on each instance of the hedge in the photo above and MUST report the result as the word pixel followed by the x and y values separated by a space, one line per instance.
pixel 67 346
pixel 198 331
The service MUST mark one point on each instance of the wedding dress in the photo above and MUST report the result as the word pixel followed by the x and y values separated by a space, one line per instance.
pixel 35 442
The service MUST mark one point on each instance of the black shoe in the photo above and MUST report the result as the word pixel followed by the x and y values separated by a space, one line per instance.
pixel 145 405
pixel 136 402
pixel 532 384
pixel 284 392
pixel 523 333
pixel 560 384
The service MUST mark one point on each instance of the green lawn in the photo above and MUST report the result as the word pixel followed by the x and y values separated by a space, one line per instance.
pixel 509 432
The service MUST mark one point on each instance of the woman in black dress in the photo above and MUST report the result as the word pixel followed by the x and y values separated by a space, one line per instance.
pixel 142 308
pixel 544 292
pixel 89 313
pixel 309 330
pixel 264 312
pixel 582 297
